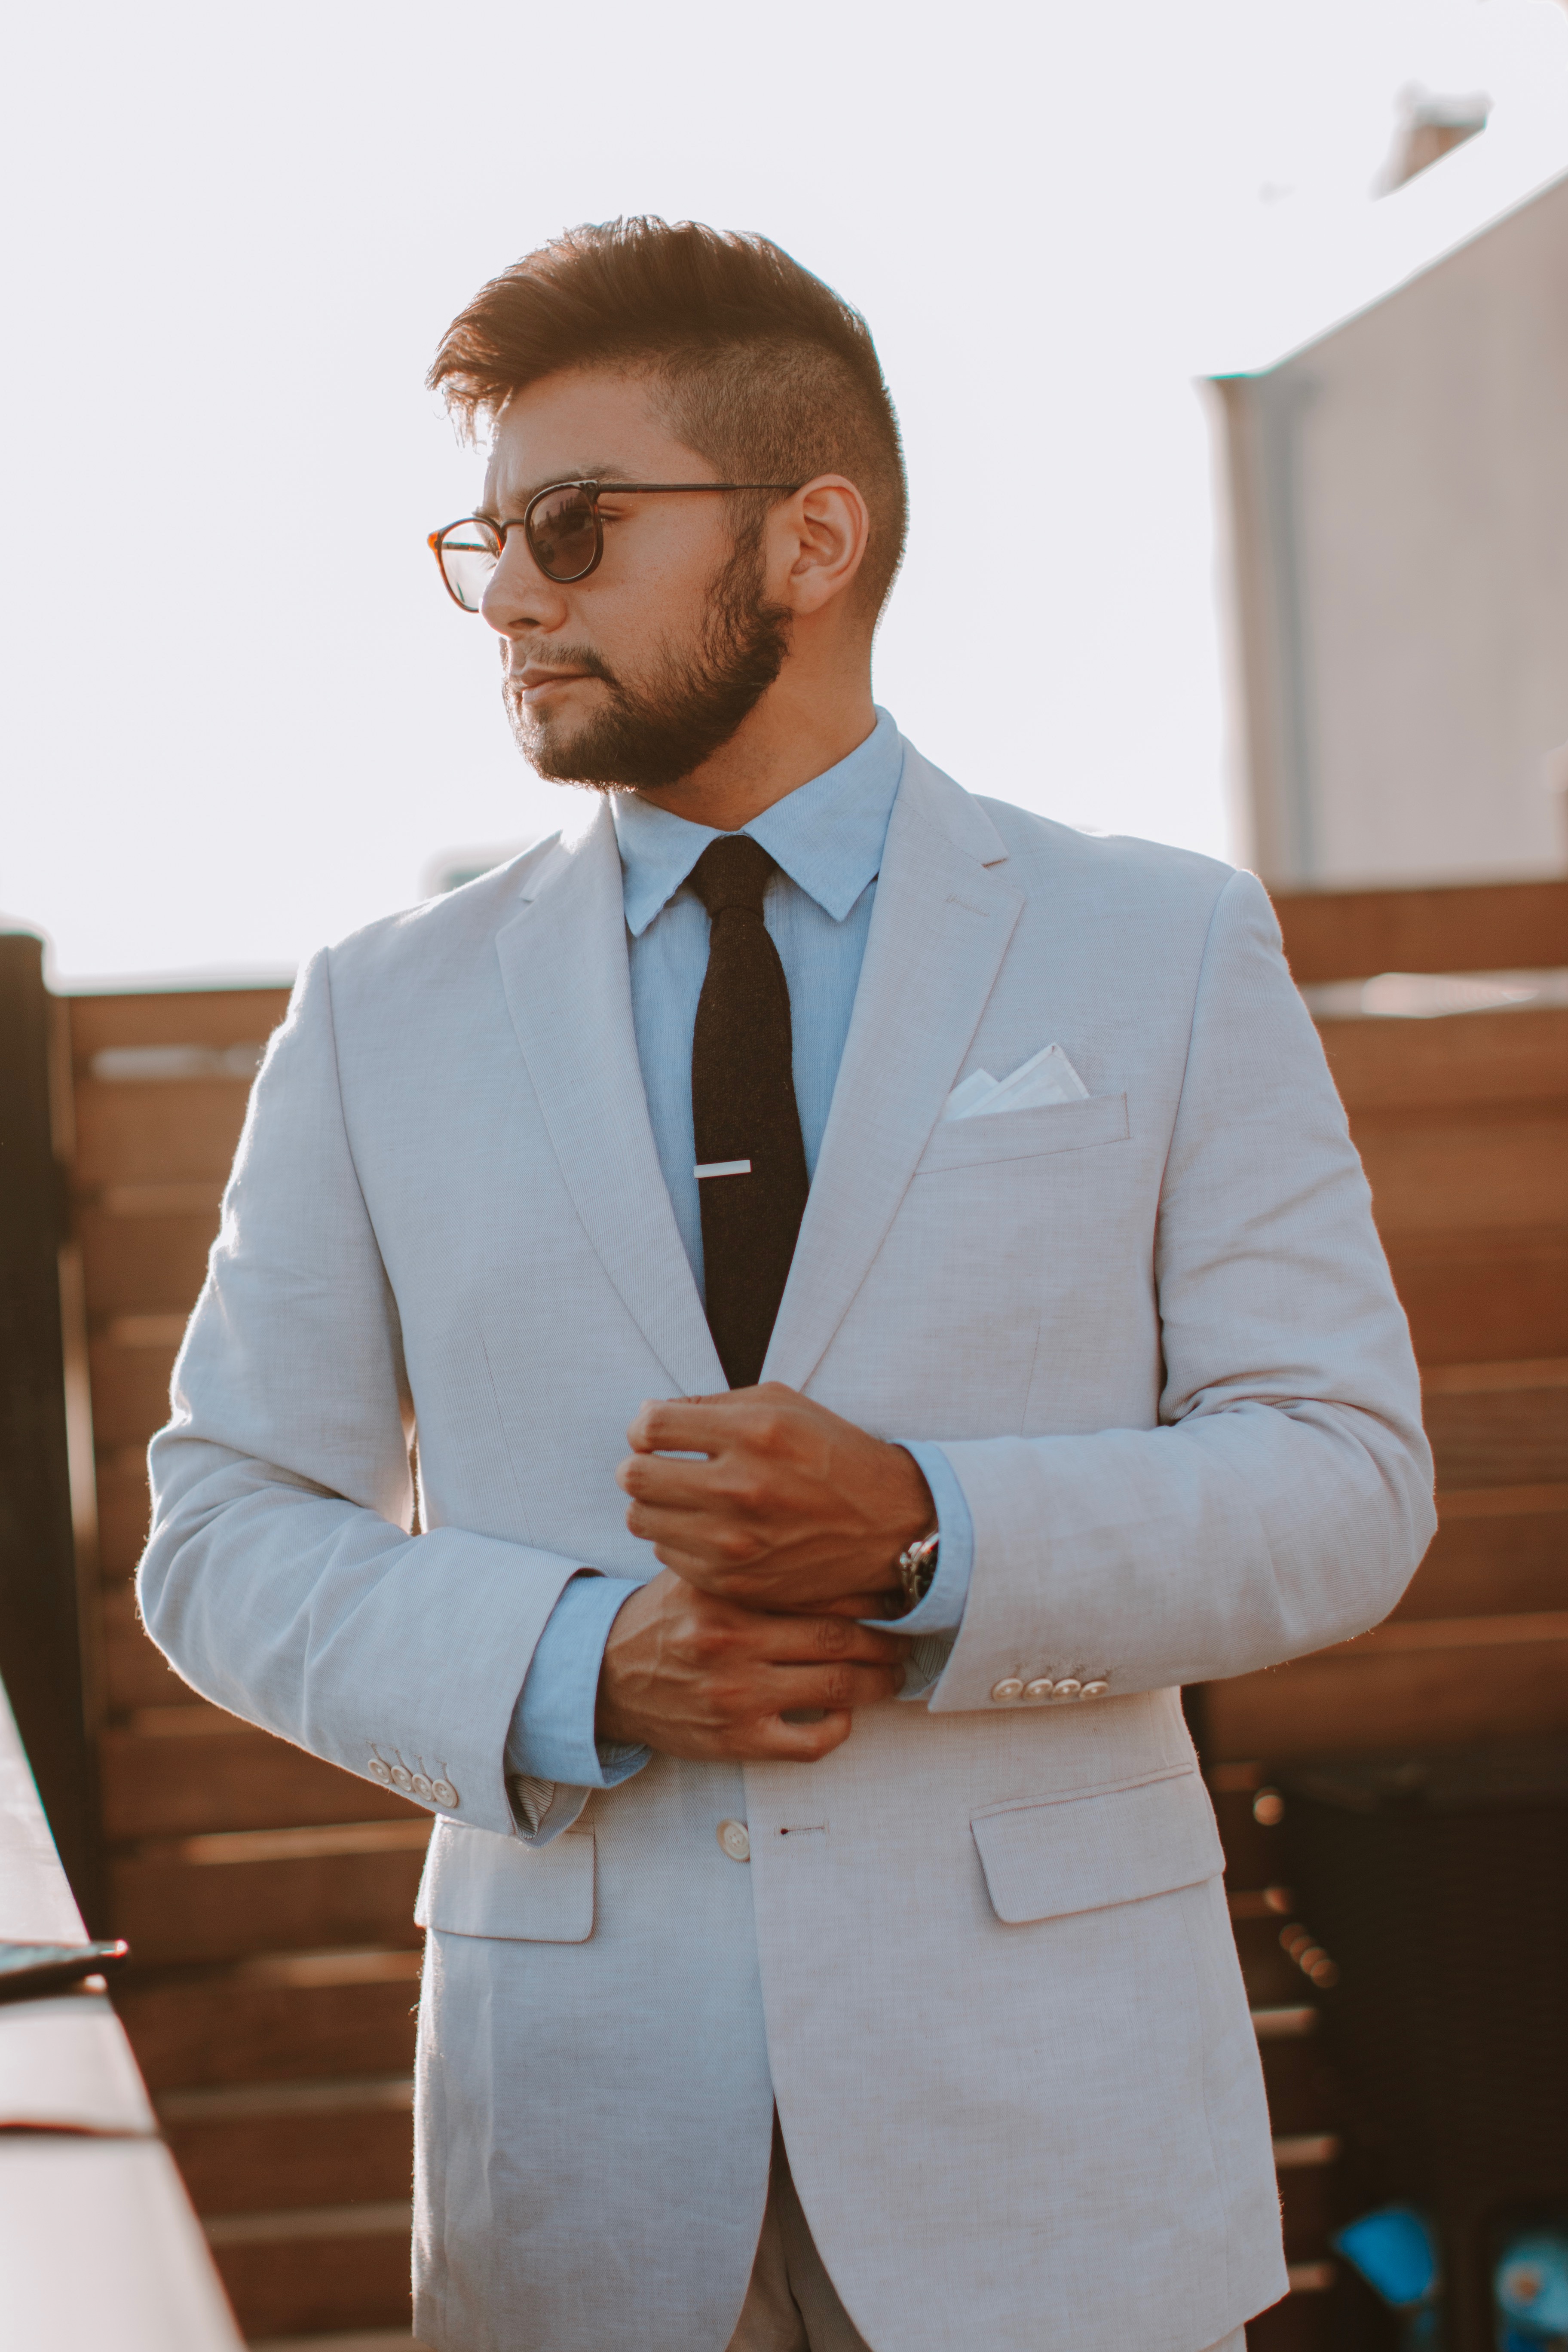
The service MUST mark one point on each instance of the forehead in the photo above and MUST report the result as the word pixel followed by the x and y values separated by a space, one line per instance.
pixel 579 424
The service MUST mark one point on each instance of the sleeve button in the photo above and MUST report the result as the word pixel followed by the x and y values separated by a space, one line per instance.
pixel 402 1780
pixel 1095 1690
pixel 1042 1689
pixel 422 1788
pixel 1070 1688
pixel 1009 1687
pixel 379 1770
pixel 444 1793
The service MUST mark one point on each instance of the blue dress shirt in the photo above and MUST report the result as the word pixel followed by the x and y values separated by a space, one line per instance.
pixel 827 839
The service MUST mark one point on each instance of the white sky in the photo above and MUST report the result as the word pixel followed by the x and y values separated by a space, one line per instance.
pixel 242 717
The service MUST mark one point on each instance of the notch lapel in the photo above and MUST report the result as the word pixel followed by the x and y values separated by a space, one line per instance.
pixel 568 988
pixel 940 928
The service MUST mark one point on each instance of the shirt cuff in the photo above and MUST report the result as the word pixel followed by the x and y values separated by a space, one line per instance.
pixel 551 1734
pixel 941 1610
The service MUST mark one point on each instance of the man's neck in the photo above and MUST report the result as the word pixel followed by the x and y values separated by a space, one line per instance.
pixel 794 733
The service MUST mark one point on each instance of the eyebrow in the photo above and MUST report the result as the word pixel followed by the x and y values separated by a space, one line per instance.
pixel 606 470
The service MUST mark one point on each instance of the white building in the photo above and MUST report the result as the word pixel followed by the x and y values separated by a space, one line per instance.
pixel 1398 513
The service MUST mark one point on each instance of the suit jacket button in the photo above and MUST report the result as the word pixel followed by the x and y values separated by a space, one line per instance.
pixel 736 1840
pixel 379 1770
pixel 422 1788
pixel 1069 1689
pixel 1009 1687
pixel 443 1793
pixel 1041 1689
pixel 1095 1690
pixel 402 1780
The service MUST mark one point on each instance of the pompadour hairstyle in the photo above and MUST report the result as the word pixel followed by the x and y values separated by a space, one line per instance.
pixel 760 367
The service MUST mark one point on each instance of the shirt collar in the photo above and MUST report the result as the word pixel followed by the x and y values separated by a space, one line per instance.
pixel 827 835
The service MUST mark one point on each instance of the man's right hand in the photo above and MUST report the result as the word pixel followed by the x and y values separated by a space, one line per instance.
pixel 690 1675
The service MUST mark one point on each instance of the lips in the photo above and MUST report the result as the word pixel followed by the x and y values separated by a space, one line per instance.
pixel 537 679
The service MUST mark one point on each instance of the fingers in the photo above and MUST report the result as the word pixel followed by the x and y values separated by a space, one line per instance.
pixel 783 1640
pixel 832 1688
pixel 705 1425
pixel 656 1482
pixel 678 1425
pixel 799 1743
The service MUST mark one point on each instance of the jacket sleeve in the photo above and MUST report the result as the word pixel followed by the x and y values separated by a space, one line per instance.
pixel 280 1577
pixel 1284 1499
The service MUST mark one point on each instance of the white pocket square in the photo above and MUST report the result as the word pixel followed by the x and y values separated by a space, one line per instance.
pixel 1046 1077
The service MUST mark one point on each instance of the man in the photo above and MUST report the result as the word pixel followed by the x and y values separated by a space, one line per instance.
pixel 959 1212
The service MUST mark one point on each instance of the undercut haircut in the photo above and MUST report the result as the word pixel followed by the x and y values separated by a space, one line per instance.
pixel 756 365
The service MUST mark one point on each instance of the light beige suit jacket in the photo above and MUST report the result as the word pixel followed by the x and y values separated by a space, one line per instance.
pixel 980 1956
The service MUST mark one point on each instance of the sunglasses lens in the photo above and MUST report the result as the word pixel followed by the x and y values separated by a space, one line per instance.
pixel 469 551
pixel 563 534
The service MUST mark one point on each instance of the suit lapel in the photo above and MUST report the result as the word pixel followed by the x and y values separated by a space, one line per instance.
pixel 565 969
pixel 938 930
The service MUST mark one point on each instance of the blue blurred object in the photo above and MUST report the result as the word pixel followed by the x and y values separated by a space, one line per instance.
pixel 1396 2250
pixel 1529 2289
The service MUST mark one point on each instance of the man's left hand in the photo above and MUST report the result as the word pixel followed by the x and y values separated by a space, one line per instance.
pixel 791 1508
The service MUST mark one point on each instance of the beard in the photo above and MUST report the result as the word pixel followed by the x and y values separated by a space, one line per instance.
pixel 650 734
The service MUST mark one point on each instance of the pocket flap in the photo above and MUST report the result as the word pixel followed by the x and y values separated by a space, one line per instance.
pixel 477 1884
pixel 1025 1134
pixel 1107 1845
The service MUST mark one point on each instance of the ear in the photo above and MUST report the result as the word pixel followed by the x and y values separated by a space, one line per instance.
pixel 817 543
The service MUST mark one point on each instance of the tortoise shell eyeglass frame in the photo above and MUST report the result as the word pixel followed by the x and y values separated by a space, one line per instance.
pixel 578 505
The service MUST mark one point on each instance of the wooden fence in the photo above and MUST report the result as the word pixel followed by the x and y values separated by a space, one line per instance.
pixel 269 1897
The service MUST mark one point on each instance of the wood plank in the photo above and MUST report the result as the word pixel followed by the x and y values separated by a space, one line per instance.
pixel 221 1898
pixel 1426 1683
pixel 303 2285
pixel 1492 927
pixel 1477 1059
pixel 290 2018
pixel 1304 2093
pixel 1491 1566
pixel 1299 2323
pixel 1504 1374
pixel 135 1264
pixel 276 2146
pixel 175 1016
pixel 1431 1176
pixel 1506 1437
pixel 124 1509
pixel 129 1390
pixel 136 1674
pixel 165 1780
pixel 1472 1294
pixel 132 1133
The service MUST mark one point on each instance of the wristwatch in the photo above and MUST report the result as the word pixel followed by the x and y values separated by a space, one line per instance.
pixel 917 1568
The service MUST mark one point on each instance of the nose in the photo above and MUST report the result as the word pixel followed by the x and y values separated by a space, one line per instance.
pixel 518 596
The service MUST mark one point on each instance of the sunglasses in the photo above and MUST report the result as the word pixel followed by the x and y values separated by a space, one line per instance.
pixel 563 526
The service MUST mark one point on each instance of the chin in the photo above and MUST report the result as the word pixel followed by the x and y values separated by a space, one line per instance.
pixel 553 752
pixel 541 745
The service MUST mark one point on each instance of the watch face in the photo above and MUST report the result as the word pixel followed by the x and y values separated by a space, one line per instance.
pixel 917 1569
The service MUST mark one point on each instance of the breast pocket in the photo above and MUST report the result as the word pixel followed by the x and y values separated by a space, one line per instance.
pixel 477 1884
pixel 1025 1134
pixel 1008 1222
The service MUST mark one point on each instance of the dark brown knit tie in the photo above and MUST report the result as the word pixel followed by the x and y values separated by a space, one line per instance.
pixel 743 1110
